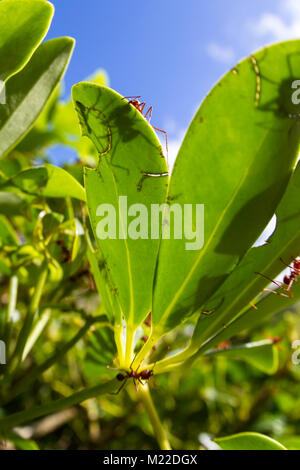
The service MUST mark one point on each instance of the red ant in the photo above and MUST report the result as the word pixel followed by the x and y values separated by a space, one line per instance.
pixel 224 345
pixel 288 280
pixel 275 340
pixel 145 374
pixel 140 106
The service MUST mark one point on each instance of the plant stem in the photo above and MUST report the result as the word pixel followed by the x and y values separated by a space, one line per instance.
pixel 158 429
pixel 36 332
pixel 22 385
pixel 29 415
pixel 130 333
pixel 145 350
pixel 118 334
pixel 26 329
pixel 12 302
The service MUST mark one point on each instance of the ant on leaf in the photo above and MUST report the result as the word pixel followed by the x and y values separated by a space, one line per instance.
pixel 137 377
pixel 288 280
pixel 140 106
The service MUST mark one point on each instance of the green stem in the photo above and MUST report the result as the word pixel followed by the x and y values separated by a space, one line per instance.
pixel 145 350
pixel 118 334
pixel 24 383
pixel 12 302
pixel 158 429
pixel 167 364
pixel 29 415
pixel 130 333
pixel 26 329
pixel 36 332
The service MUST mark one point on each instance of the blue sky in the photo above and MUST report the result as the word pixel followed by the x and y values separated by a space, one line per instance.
pixel 169 51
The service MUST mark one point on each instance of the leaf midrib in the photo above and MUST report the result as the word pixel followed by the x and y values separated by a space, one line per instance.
pixel 223 214
pixel 131 309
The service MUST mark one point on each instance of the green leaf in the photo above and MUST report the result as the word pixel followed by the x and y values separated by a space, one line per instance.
pixel 249 441
pixel 262 354
pixel 58 124
pixel 291 442
pixel 266 307
pixel 110 302
pixel 236 159
pixel 31 89
pixel 128 150
pixel 49 181
pixel 23 25
pixel 244 284
pixel 15 419
pixel 7 233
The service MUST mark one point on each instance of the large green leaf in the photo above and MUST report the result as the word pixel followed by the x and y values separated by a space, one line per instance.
pixel 266 307
pixel 64 127
pixel 248 280
pixel 15 419
pixel 128 150
pixel 110 302
pixel 261 354
pixel 249 441
pixel 23 25
pixel 236 159
pixel 48 181
pixel 30 89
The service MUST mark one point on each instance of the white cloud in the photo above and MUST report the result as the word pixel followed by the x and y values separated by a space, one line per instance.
pixel 282 26
pixel 174 146
pixel 220 53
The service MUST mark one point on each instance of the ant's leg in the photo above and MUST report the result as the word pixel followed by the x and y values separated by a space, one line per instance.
pixel 277 283
pixel 287 265
pixel 130 367
pixel 140 381
pixel 150 113
pixel 142 107
pixel 166 137
pixel 130 97
pixel 135 384
pixel 276 293
pixel 290 287
pixel 122 386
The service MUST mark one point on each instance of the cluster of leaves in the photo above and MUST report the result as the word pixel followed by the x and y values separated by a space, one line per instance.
pixel 67 291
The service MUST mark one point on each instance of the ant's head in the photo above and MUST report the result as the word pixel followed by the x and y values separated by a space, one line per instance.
pixel 136 103
pixel 120 377
pixel 276 339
